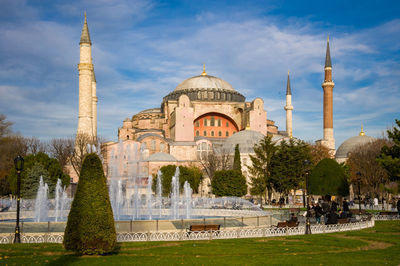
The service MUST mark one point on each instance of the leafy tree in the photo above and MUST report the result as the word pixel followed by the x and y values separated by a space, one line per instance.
pixel 90 228
pixel 363 159
pixel 5 189
pixel 30 185
pixel 50 165
pixel 229 183
pixel 328 178
pixel 191 174
pixel 260 169
pixel 389 157
pixel 288 168
pixel 237 165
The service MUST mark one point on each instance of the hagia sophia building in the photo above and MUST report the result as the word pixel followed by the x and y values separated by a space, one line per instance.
pixel 203 113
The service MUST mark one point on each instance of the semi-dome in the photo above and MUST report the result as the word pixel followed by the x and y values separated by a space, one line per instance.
pixel 246 140
pixel 350 144
pixel 204 82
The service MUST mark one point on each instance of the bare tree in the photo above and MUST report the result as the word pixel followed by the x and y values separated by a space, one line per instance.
pixel 35 146
pixel 10 147
pixel 363 159
pixel 62 150
pixel 215 160
pixel 318 152
pixel 85 144
pixel 5 126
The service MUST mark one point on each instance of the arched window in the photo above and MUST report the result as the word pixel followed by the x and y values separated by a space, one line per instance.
pixel 197 133
pixel 197 123
pixel 212 121
pixel 227 124
pixel 219 133
pixel 127 136
pixel 219 122
pixel 227 134
pixel 205 133
pixel 212 133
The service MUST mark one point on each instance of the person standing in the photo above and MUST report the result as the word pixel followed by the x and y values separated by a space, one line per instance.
pixel 398 205
pixel 376 203
pixel 346 209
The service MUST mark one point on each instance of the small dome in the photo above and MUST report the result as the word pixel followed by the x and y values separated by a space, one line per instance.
pixel 161 157
pixel 246 140
pixel 352 143
pixel 204 82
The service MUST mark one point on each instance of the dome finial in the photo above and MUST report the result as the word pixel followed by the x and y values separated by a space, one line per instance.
pixel 204 70
pixel 362 133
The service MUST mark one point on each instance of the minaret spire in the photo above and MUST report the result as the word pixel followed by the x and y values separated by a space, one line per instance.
pixel 85 37
pixel 288 107
pixel 288 89
pixel 328 62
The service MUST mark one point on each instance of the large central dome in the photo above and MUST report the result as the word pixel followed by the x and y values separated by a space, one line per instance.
pixel 204 82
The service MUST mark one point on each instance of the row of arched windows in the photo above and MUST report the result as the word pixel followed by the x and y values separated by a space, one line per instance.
pixel 212 133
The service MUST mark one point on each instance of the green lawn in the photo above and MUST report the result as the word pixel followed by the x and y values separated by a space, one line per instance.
pixel 374 246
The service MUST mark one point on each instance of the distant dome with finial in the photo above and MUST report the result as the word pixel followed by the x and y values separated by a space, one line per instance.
pixel 352 143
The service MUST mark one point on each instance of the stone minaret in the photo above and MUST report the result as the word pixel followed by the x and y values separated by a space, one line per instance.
pixel 94 106
pixel 87 121
pixel 289 108
pixel 328 140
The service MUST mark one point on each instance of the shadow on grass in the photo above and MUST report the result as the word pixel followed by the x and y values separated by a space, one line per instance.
pixel 71 258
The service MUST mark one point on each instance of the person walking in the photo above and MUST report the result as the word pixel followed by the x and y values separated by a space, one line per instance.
pixel 318 213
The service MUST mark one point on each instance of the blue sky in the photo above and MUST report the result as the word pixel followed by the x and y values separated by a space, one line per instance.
pixel 143 49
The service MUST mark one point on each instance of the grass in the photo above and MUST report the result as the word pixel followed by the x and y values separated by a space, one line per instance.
pixel 374 246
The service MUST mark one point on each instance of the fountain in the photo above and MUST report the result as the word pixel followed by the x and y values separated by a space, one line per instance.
pixel 188 199
pixel 41 202
pixel 60 200
pixel 132 198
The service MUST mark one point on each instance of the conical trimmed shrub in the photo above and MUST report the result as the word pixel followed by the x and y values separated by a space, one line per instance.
pixel 90 227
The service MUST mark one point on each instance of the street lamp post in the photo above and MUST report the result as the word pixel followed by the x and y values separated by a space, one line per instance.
pixel 308 226
pixel 359 191
pixel 19 165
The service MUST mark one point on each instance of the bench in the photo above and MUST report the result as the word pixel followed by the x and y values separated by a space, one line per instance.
pixel 343 221
pixel 388 213
pixel 353 211
pixel 294 210
pixel 287 224
pixel 4 209
pixel 204 227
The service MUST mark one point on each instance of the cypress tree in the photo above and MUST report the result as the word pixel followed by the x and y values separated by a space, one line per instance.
pixel 90 227
pixel 236 160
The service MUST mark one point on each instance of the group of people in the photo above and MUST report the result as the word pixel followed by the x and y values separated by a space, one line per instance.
pixel 330 211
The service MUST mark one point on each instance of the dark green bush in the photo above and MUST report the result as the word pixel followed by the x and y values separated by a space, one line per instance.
pixel 191 174
pixel 229 183
pixel 328 178
pixel 90 227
